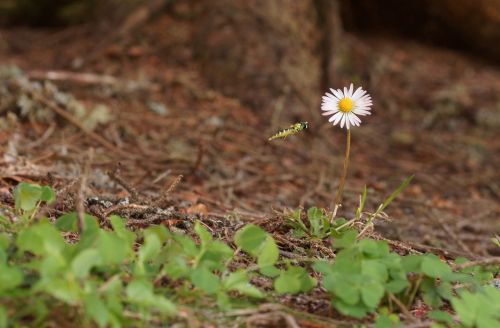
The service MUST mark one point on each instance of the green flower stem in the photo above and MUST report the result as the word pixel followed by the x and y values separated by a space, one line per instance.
pixel 338 198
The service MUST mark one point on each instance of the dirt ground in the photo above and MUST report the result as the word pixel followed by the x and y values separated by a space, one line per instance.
pixel 436 115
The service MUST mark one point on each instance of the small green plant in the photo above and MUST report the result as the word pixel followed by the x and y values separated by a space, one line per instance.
pixel 116 277
pixel 317 224
pixel 28 198
pixel 480 309
pixel 363 273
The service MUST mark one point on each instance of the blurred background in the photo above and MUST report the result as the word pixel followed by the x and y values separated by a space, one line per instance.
pixel 194 87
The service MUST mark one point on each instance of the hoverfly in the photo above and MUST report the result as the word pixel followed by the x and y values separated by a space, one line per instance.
pixel 293 129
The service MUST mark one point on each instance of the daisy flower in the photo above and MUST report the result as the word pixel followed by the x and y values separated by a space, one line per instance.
pixel 344 107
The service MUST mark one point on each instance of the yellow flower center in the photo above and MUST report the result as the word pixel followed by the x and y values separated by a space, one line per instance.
pixel 346 105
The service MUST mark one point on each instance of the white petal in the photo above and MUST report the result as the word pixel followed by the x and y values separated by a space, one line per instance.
pixel 356 120
pixel 347 121
pixel 337 119
pixel 342 121
pixel 334 117
pixel 361 112
pixel 358 94
pixel 331 112
pixel 351 89
pixel 328 107
pixel 334 93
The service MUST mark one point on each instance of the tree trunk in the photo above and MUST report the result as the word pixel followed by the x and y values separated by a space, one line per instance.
pixel 267 52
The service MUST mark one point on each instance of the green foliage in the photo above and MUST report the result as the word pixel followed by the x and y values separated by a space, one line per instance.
pixel 294 280
pixel 398 190
pixel 385 319
pixel 260 245
pixel 317 224
pixel 480 309
pixel 27 198
pixel 116 277
pixel 362 274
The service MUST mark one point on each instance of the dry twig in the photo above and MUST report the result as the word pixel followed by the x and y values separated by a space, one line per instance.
pixel 80 207
pixel 115 175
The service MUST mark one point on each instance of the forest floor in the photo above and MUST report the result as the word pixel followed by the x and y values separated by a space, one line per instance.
pixel 436 115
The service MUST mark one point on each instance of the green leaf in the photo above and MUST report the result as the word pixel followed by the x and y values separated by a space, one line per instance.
pixel 375 270
pixel 434 267
pixel 352 310
pixel 202 232
pixel 287 283
pixel 185 245
pixel 362 202
pixel 205 280
pixel 27 196
pixel 215 255
pixel 347 239
pixel 269 253
pixel 270 271
pixel 121 230
pixel 250 239
pixel 466 308
pixel 47 194
pixel 238 281
pixel 347 262
pixel 430 294
pixel 396 286
pixel 140 291
pixel 84 262
pixel 373 249
pixel 41 238
pixel 402 187
pixel 480 309
pixel 10 277
pixel 369 247
pixel 387 320
pixel 150 248
pixel 314 213
pixel 177 268
pixel 372 293
pixel 164 305
pixel 5 241
pixel 223 301
pixel 316 220
pixel 97 310
pixel 445 290
pixel 4 320
pixel 441 316
pixel 412 263
pixel 67 222
pixel 90 234
pixel 66 290
pixel 294 280
pixel 295 221
pixel 349 295
pixel 235 278
pixel 323 267
pixel 113 249
pixel 249 290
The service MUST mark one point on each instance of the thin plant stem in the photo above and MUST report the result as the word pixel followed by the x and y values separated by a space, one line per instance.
pixel 338 198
